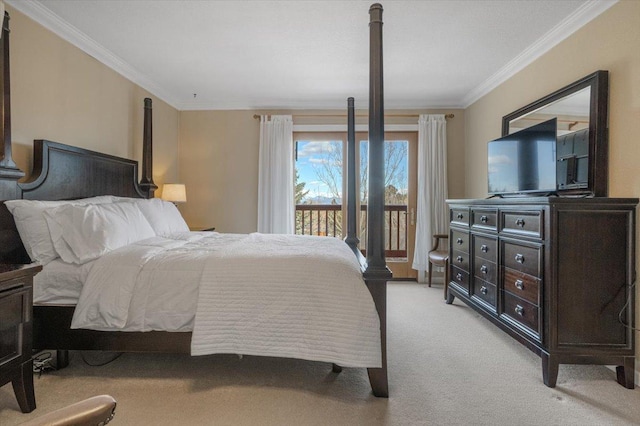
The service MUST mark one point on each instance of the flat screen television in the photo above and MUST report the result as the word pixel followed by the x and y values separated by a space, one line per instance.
pixel 524 162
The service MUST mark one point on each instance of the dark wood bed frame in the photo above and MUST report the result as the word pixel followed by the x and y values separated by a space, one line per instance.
pixel 63 172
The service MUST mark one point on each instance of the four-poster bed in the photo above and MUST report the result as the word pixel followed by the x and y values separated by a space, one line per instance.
pixel 62 172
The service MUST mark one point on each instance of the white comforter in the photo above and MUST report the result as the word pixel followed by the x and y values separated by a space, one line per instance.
pixel 257 294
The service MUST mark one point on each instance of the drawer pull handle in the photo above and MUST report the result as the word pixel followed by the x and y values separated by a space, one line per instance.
pixel 459 241
pixel 459 215
pixel 484 219
pixel 484 248
pixel 484 269
pixel 459 259
pixel 519 310
pixel 519 258
pixel 459 276
pixel 519 284
pixel 520 222
pixel 484 290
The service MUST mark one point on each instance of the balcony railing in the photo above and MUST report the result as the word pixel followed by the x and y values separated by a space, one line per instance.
pixel 326 220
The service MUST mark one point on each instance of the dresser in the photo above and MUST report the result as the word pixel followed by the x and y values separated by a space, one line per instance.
pixel 16 299
pixel 555 273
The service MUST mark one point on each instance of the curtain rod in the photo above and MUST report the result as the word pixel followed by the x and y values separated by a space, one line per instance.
pixel 256 116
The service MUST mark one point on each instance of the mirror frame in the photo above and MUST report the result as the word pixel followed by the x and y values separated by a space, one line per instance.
pixel 598 181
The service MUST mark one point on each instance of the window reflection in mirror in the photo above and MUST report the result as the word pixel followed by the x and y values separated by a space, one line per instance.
pixel 572 112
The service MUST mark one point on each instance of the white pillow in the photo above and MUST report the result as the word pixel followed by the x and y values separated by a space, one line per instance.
pixel 84 233
pixel 163 216
pixel 32 227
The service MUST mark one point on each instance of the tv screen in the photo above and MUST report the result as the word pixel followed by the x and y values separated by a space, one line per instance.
pixel 524 162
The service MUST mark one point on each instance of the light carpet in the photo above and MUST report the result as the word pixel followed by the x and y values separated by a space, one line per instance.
pixel 447 366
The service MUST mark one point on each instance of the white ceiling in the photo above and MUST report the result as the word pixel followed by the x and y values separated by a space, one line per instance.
pixel 312 54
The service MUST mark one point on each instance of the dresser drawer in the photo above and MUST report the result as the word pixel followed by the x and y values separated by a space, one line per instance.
pixel 522 312
pixel 485 291
pixel 522 258
pixel 522 223
pixel 460 259
pixel 522 285
pixel 484 218
pixel 460 241
pixel 485 270
pixel 459 277
pixel 459 216
pixel 485 248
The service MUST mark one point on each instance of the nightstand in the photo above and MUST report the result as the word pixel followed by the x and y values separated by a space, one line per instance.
pixel 16 331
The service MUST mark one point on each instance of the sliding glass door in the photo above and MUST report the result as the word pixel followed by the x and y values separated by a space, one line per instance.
pixel 320 186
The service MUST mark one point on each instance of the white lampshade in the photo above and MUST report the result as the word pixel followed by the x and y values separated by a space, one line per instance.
pixel 174 192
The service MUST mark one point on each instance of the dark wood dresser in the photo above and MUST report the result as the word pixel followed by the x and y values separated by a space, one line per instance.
pixel 556 273
pixel 16 300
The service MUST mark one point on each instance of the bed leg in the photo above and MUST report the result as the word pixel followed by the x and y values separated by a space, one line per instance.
pixel 336 368
pixel 378 376
pixel 379 381
pixel 62 359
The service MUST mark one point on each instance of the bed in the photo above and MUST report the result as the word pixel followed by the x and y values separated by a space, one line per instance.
pixel 63 172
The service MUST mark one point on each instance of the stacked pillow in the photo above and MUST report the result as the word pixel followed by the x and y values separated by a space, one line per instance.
pixel 82 230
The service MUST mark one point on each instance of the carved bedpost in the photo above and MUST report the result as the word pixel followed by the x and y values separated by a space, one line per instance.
pixel 9 172
pixel 146 183
pixel 352 208
pixel 377 273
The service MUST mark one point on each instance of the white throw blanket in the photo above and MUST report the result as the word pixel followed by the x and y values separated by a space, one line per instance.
pixel 258 294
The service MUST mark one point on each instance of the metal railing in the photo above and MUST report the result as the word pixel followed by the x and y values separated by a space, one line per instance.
pixel 326 220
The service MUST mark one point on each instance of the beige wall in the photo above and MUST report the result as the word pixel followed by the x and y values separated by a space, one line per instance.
pixel 219 162
pixel 610 42
pixel 219 165
pixel 61 94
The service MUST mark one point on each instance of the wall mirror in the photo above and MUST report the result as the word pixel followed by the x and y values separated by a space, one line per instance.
pixel 581 109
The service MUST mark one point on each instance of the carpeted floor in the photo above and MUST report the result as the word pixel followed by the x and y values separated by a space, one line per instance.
pixel 447 366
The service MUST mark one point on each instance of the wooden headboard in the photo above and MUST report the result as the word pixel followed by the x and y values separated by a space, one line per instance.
pixel 61 172
pixel 64 172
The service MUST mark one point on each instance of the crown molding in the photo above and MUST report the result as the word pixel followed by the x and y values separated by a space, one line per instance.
pixel 43 16
pixel 583 15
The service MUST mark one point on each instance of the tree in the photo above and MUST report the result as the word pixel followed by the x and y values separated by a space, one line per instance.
pixel 329 168
pixel 299 194
pixel 329 171
pixel 300 191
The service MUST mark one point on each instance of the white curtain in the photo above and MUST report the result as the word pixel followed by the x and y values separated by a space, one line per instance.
pixel 276 210
pixel 431 215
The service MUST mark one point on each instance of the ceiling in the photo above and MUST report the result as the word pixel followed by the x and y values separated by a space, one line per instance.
pixel 198 55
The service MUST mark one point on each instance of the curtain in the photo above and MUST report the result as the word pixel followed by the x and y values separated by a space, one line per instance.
pixel 276 209
pixel 431 212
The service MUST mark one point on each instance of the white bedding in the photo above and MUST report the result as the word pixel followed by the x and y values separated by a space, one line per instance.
pixel 59 283
pixel 257 294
